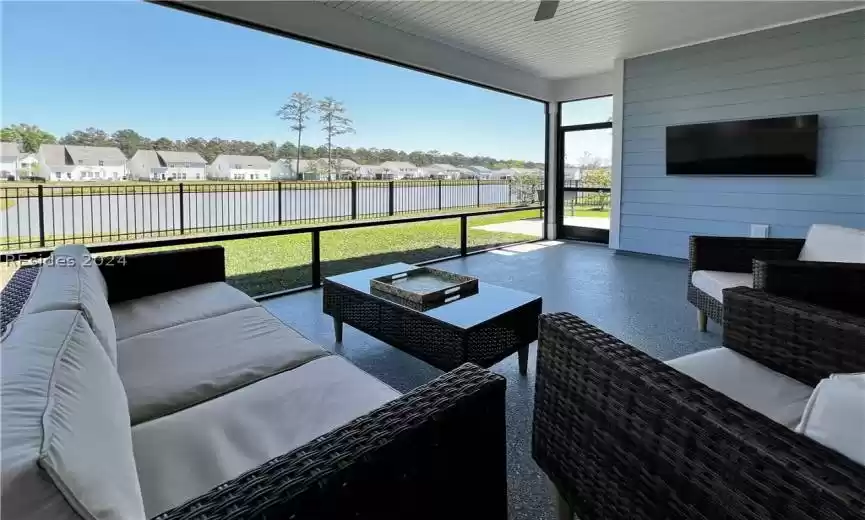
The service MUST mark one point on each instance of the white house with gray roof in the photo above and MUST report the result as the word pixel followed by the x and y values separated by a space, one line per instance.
pixel 399 170
pixel 240 168
pixel 441 171
pixel 9 156
pixel 58 162
pixel 162 165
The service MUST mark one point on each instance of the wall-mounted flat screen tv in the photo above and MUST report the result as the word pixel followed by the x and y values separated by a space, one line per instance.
pixel 776 146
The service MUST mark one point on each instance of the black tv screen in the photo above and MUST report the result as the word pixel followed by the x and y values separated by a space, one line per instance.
pixel 777 146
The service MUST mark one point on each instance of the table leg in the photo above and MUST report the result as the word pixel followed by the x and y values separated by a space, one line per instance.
pixel 337 329
pixel 523 354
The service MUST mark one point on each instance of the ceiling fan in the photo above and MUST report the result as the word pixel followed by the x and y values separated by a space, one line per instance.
pixel 546 10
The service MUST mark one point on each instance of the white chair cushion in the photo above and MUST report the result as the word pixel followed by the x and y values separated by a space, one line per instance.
pixel 71 280
pixel 713 283
pixel 183 455
pixel 163 310
pixel 835 415
pixel 67 443
pixel 827 243
pixel 170 369
pixel 742 379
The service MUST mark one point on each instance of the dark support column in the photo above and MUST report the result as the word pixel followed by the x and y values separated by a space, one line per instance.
pixel 41 218
pixel 316 258
pixel 353 200
pixel 390 198
pixel 440 194
pixel 279 202
pixel 463 235
pixel 479 193
pixel 181 207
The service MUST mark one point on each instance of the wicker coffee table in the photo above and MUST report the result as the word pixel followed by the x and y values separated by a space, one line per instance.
pixel 483 328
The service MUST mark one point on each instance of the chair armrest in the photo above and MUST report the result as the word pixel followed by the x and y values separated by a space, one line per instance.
pixel 144 274
pixel 736 254
pixel 804 341
pixel 835 285
pixel 436 452
pixel 623 435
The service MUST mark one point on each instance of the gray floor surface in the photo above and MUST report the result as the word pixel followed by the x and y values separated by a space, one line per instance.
pixel 641 300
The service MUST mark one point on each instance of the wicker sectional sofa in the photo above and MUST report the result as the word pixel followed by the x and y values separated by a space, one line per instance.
pixel 146 387
pixel 623 436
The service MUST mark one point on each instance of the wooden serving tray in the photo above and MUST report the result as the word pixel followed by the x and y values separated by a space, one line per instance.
pixel 423 288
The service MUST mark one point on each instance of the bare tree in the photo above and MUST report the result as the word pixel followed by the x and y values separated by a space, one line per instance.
pixel 334 122
pixel 297 112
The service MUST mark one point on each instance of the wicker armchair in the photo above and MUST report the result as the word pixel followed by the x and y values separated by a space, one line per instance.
pixel 624 436
pixel 772 264
pixel 437 451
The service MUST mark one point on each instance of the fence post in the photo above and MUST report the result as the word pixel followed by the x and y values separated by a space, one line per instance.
pixel 390 198
pixel 463 235
pixel 41 217
pixel 353 200
pixel 316 258
pixel 279 202
pixel 479 193
pixel 510 197
pixel 181 208
pixel 440 194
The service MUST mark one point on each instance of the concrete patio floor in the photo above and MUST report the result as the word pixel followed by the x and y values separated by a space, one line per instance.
pixel 639 299
pixel 535 226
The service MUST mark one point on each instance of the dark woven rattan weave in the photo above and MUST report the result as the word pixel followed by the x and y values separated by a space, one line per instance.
pixel 799 339
pixel 435 453
pixel 439 344
pixel 838 286
pixel 15 294
pixel 625 437
pixel 731 254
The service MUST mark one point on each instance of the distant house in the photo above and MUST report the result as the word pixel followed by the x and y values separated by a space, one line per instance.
pixel 58 162
pixel 399 170
pixel 480 171
pixel 159 165
pixel 9 156
pixel 504 173
pixel 442 171
pixel 370 171
pixel 240 168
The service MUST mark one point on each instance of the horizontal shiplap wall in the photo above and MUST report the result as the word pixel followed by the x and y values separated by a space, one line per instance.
pixel 811 67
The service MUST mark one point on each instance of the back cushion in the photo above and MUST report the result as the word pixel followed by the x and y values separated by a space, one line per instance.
pixel 827 243
pixel 67 441
pixel 70 280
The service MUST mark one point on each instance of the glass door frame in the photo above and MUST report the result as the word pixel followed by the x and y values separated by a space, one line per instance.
pixel 573 232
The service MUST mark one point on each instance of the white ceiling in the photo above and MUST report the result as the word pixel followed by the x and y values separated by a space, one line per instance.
pixel 584 37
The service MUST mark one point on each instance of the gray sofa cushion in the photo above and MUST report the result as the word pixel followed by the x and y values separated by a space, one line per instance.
pixel 170 369
pixel 70 280
pixel 183 455
pixel 163 310
pixel 67 442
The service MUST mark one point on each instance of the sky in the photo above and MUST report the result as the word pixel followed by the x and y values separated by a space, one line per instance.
pixel 166 73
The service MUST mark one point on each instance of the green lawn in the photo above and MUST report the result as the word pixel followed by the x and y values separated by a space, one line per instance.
pixel 262 265
pixel 599 213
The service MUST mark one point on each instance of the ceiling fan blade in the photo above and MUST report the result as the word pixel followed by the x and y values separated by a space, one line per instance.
pixel 546 10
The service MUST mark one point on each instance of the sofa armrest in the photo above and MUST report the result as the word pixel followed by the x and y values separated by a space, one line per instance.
pixel 436 452
pixel 139 275
pixel 804 341
pixel 835 285
pixel 736 254
pixel 624 436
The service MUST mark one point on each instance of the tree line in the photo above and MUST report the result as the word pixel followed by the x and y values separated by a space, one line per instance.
pixel 30 137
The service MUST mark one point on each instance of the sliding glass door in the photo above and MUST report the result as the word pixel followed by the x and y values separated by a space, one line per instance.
pixel 585 157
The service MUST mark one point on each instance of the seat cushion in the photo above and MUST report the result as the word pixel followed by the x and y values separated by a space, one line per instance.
pixel 159 311
pixel 183 455
pixel 827 243
pixel 835 415
pixel 170 369
pixel 67 442
pixel 713 283
pixel 70 280
pixel 742 379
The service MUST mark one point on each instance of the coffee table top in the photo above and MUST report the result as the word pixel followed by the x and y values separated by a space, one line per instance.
pixel 489 302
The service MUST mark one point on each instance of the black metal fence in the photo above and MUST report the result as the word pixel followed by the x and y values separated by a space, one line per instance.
pixel 582 198
pixel 46 215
